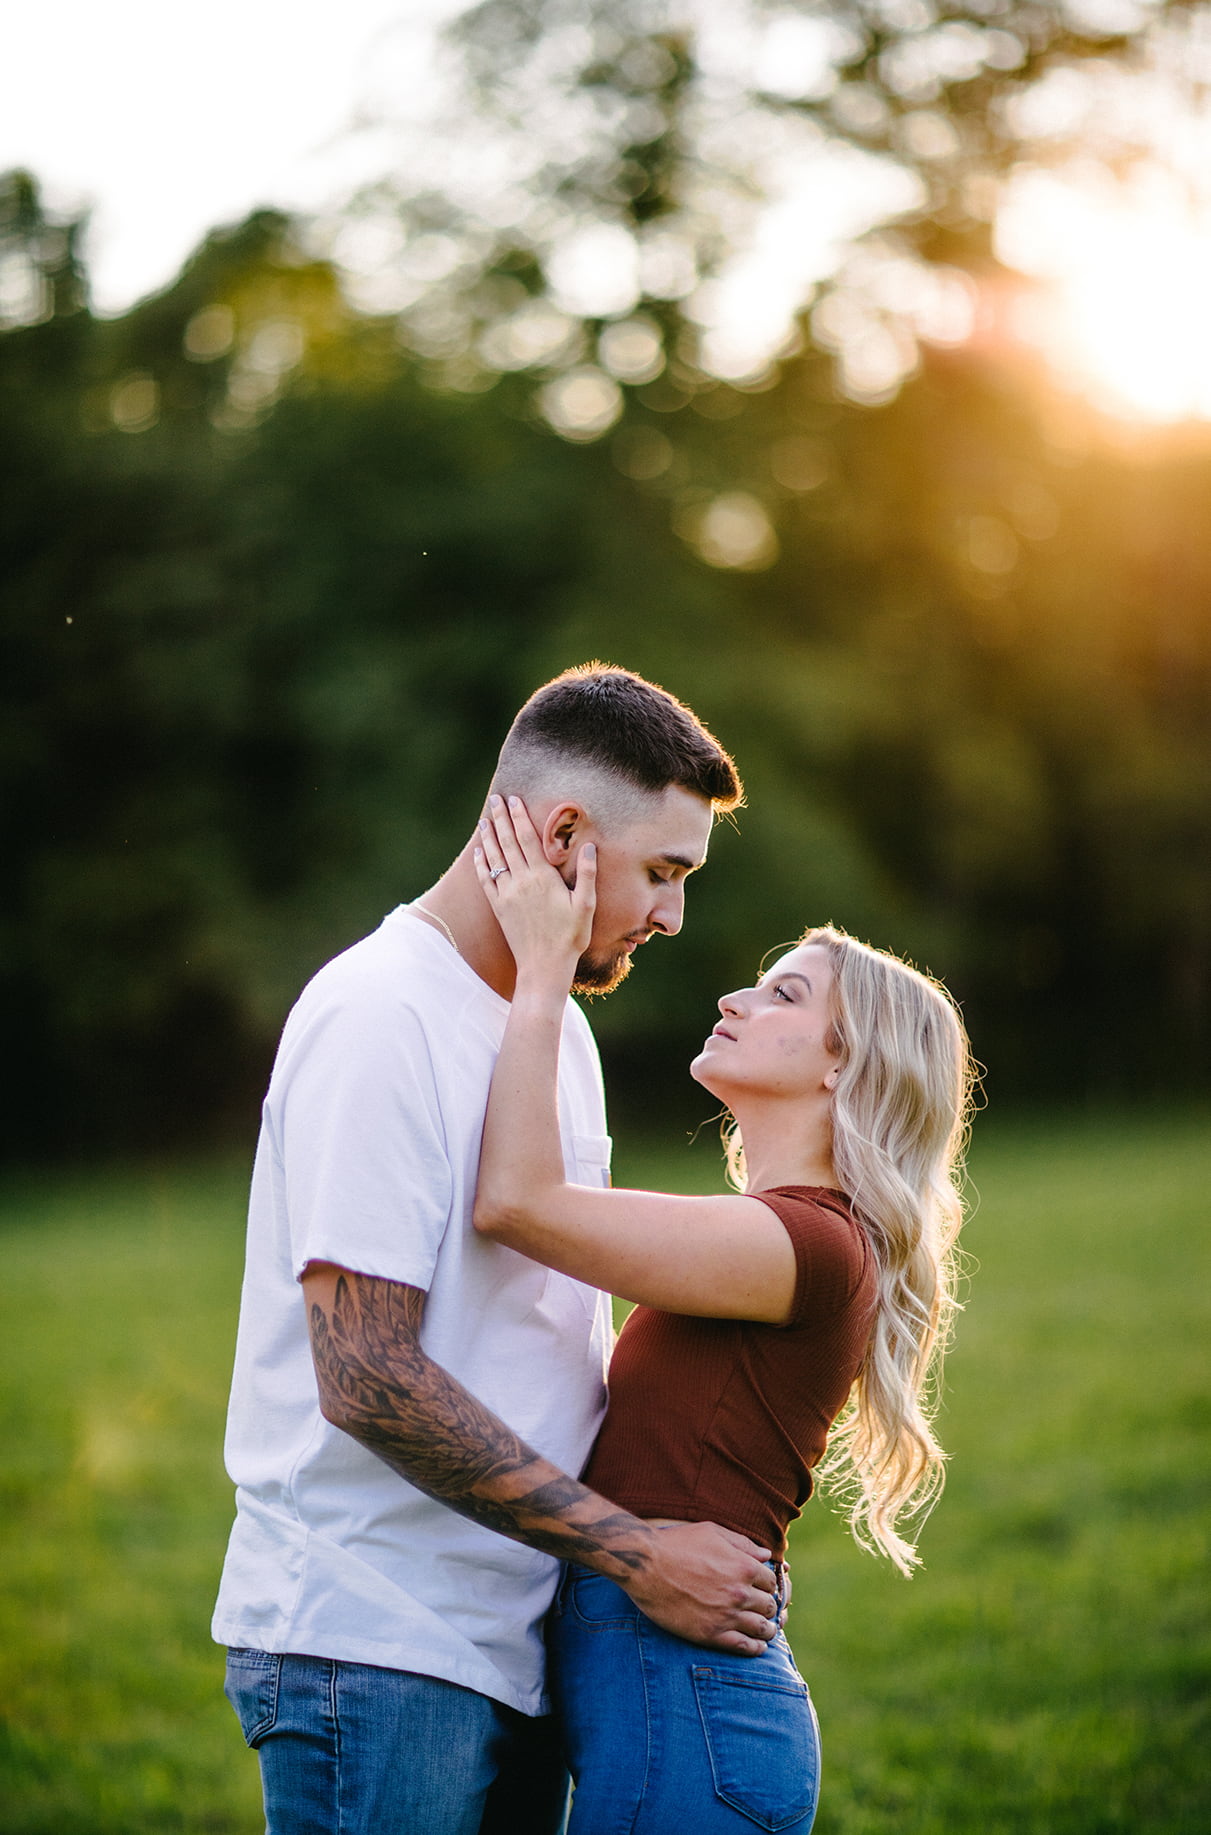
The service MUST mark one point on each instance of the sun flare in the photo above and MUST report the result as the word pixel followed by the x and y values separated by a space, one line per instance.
pixel 1125 307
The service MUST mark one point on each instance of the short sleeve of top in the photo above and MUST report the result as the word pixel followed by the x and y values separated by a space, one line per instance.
pixel 831 1253
pixel 353 1112
pixel 723 1419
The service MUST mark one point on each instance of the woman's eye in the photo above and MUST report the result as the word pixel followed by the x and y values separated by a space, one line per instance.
pixel 781 993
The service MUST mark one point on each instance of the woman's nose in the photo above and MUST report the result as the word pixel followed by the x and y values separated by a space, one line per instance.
pixel 731 1003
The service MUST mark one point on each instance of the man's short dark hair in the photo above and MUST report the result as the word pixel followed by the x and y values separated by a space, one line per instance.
pixel 628 727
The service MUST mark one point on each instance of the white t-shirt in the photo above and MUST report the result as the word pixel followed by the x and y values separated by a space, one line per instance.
pixel 367 1158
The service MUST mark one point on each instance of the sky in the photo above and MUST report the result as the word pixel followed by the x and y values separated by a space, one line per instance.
pixel 170 120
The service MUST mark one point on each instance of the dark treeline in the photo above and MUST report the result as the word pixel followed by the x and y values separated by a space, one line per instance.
pixel 269 602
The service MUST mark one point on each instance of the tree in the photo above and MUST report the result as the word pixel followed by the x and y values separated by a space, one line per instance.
pixel 269 601
pixel 611 209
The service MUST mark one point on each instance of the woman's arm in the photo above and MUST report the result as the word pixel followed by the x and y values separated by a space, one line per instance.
pixel 727 1257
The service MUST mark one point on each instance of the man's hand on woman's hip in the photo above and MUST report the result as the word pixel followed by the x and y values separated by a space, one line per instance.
pixel 708 1585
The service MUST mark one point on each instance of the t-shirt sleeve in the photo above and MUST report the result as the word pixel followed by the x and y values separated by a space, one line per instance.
pixel 356 1122
pixel 830 1254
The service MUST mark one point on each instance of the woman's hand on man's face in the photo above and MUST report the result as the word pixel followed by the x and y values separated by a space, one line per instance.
pixel 547 922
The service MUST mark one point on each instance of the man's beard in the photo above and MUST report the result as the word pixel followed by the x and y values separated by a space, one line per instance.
pixel 601 974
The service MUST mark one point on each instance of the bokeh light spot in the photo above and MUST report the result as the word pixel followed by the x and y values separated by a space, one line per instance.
pixel 642 453
pixel 992 547
pixel 732 531
pixel 594 273
pixel 134 403
pixel 582 405
pixel 25 295
pixel 798 463
pixel 276 346
pixel 632 349
pixel 209 334
pixel 536 334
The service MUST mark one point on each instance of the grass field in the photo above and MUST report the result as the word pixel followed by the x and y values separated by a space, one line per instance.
pixel 1049 1673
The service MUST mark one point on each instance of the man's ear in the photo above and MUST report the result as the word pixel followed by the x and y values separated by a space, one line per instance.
pixel 564 827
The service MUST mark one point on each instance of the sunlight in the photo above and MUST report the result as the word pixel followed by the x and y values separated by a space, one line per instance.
pixel 1127 297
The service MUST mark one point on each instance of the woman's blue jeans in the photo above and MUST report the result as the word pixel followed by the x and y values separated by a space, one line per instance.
pixel 349 1749
pixel 664 1737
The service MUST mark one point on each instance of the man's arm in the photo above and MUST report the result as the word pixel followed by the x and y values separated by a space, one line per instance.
pixel 700 1581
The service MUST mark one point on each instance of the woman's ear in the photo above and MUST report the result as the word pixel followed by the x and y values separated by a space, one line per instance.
pixel 830 1077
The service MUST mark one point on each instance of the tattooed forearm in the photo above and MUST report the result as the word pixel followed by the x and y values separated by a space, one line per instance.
pixel 378 1384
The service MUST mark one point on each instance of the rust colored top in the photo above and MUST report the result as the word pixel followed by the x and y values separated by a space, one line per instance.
pixel 723 1419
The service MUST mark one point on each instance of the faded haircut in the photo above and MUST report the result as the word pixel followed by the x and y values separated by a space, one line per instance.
pixel 625 734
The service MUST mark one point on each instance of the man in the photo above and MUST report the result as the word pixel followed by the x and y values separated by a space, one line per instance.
pixel 410 1401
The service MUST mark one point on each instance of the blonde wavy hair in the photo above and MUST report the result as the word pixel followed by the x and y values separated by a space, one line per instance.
pixel 900 1115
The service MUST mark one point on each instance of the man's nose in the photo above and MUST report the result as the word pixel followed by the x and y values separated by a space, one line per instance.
pixel 668 909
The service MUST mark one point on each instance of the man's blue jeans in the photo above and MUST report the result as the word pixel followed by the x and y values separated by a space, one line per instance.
pixel 664 1737
pixel 347 1749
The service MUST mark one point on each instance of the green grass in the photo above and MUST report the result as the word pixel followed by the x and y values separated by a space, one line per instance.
pixel 120 1306
pixel 1047 1673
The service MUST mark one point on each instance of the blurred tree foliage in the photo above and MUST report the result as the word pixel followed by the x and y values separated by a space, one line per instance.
pixel 644 84
pixel 270 600
pixel 671 141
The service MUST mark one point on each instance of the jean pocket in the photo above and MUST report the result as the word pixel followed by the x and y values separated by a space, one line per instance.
pixel 598 1603
pixel 252 1689
pixel 763 1745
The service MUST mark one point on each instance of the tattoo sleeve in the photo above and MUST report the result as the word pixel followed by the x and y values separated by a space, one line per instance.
pixel 377 1384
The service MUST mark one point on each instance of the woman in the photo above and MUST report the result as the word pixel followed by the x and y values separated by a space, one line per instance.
pixel 828 1278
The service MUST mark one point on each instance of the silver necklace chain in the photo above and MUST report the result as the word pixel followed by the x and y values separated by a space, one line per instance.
pixel 424 909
